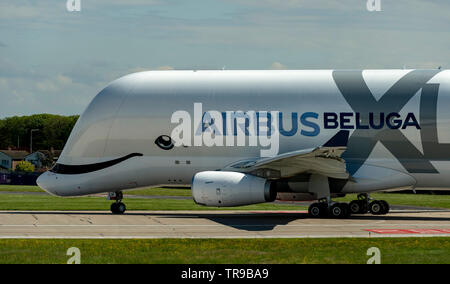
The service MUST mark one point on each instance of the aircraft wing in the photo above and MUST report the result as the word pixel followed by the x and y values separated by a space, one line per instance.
pixel 324 160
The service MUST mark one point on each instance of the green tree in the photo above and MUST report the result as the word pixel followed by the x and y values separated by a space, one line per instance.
pixel 24 166
pixel 54 130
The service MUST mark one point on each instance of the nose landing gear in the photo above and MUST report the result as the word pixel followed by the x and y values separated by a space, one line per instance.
pixel 117 207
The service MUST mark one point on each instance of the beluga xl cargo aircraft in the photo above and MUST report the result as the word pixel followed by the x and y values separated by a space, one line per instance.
pixel 246 137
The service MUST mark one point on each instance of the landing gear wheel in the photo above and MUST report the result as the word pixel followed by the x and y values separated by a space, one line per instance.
pixel 340 210
pixel 355 207
pixel 118 208
pixel 386 207
pixel 317 210
pixel 114 208
pixel 376 207
pixel 358 207
pixel 346 208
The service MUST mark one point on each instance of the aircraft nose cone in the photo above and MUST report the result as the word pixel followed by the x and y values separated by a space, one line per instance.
pixel 47 182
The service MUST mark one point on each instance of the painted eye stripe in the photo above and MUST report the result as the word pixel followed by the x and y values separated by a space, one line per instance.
pixel 164 142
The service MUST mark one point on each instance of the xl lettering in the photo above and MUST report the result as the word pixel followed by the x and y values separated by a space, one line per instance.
pixel 362 141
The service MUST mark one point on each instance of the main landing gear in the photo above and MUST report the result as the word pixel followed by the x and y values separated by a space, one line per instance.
pixel 365 204
pixel 117 207
pixel 326 208
pixel 323 209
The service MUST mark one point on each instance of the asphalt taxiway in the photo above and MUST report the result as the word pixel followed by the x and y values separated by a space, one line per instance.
pixel 219 224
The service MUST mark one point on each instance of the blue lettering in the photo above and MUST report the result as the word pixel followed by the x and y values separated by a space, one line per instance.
pixel 304 121
pixel 224 123
pixel 294 124
pixel 309 125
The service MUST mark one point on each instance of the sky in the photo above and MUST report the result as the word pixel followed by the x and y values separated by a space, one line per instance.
pixel 56 61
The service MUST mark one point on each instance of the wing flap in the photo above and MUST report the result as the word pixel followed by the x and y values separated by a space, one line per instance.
pixel 325 160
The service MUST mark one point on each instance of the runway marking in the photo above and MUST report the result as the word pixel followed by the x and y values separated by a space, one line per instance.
pixel 410 231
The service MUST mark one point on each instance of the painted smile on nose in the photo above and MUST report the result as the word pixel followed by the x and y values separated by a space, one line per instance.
pixel 55 181
pixel 83 169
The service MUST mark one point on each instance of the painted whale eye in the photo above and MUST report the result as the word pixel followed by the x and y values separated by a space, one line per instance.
pixel 164 142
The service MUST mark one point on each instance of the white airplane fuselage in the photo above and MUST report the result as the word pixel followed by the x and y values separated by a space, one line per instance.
pixel 398 120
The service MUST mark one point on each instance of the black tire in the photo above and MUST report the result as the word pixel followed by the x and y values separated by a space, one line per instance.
pixel 364 207
pixel 315 210
pixel 337 210
pixel 376 207
pixel 347 211
pixel 358 206
pixel 114 208
pixel 121 208
pixel 323 209
pixel 386 207
pixel 318 210
pixel 355 207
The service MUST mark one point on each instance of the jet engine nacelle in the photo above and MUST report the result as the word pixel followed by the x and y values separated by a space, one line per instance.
pixel 222 189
